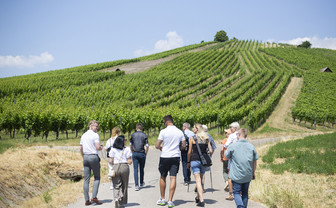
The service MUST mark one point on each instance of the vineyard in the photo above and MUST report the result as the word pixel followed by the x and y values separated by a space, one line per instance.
pixel 316 103
pixel 232 81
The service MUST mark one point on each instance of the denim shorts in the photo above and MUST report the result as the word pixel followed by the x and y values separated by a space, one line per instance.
pixel 197 167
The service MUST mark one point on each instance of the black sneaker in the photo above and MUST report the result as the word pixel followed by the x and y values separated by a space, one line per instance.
pixel 197 200
pixel 200 204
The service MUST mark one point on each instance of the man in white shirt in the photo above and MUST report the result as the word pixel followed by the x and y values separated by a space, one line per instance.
pixel 89 147
pixel 169 142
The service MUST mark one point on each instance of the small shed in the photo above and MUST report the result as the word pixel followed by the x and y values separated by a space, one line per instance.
pixel 325 70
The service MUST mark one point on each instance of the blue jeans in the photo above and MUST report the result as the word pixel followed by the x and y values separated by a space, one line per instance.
pixel 186 171
pixel 139 160
pixel 237 188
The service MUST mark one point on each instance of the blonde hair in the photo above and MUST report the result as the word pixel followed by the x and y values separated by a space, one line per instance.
pixel 115 131
pixel 201 134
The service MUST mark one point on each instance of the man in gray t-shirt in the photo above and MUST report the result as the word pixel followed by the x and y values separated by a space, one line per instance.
pixel 244 158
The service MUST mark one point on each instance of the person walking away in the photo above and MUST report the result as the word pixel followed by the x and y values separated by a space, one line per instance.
pixel 168 143
pixel 120 158
pixel 244 158
pixel 138 142
pixel 225 163
pixel 184 153
pixel 109 144
pixel 213 145
pixel 89 147
pixel 194 160
pixel 233 137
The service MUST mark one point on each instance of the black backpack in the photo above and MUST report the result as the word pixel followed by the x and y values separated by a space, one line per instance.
pixel 187 142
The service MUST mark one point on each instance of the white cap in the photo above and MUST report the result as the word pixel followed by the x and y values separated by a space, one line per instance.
pixel 205 128
pixel 235 124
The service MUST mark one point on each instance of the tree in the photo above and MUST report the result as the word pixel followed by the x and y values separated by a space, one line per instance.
pixel 305 44
pixel 221 36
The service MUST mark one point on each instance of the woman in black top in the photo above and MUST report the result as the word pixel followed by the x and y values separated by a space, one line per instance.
pixel 194 160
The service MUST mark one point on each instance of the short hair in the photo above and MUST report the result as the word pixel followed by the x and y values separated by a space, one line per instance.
pixel 93 122
pixel 168 118
pixel 235 124
pixel 139 126
pixel 119 142
pixel 115 131
pixel 187 125
pixel 243 132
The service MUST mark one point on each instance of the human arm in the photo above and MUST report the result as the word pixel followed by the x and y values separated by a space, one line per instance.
pixel 254 168
pixel 129 160
pixel 191 142
pixel 221 154
pixel 111 160
pixel 146 149
pixel 158 144
pixel 81 150
pixel 98 146
pixel 210 148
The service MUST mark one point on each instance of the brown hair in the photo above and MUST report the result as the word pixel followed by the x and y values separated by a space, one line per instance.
pixel 139 126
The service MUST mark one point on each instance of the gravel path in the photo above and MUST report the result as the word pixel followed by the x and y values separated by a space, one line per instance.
pixel 147 197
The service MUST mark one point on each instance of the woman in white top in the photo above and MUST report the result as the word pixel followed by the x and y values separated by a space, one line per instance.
pixel 120 158
pixel 109 143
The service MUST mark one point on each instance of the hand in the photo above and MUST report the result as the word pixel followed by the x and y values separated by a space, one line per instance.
pixel 188 165
pixel 253 177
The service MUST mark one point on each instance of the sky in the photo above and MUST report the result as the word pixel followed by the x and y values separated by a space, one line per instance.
pixel 44 35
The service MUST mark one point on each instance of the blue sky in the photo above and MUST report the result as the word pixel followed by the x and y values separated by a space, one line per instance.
pixel 43 35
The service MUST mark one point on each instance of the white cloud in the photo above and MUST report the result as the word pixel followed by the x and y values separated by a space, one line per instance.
pixel 173 41
pixel 26 62
pixel 316 42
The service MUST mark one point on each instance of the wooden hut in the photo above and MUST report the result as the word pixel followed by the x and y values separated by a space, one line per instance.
pixel 325 70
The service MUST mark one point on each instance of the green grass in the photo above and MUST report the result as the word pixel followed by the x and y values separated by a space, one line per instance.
pixel 311 155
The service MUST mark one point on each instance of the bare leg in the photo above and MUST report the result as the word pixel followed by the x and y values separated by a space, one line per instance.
pixel 172 187
pixel 163 187
pixel 198 179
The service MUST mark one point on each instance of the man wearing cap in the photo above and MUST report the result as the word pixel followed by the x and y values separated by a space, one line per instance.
pixel 243 156
pixel 234 127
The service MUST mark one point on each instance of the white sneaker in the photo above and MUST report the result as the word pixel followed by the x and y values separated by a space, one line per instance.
pixel 111 187
pixel 136 188
pixel 161 202
pixel 142 185
pixel 171 204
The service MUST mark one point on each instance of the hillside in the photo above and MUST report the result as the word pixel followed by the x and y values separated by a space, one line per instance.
pixel 232 81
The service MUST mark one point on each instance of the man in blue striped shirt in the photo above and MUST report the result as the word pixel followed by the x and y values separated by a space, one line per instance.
pixel 242 168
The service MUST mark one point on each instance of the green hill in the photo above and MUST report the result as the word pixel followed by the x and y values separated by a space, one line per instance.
pixel 232 81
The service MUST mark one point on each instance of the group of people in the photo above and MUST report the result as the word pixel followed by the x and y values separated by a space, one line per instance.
pixel 186 146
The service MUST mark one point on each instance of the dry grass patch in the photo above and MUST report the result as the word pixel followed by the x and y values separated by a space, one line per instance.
pixel 292 190
pixel 29 175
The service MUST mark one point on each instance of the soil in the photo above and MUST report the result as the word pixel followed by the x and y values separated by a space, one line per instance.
pixel 144 65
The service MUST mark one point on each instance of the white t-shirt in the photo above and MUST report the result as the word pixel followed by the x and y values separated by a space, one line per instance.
pixel 232 139
pixel 110 142
pixel 88 141
pixel 171 137
pixel 116 154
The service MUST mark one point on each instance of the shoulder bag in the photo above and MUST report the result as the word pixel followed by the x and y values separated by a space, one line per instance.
pixel 205 158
